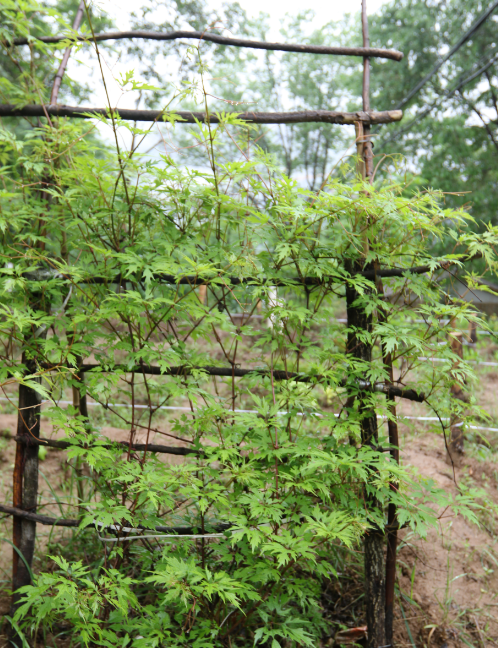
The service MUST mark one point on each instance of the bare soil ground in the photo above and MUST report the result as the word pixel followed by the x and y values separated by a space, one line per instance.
pixel 449 582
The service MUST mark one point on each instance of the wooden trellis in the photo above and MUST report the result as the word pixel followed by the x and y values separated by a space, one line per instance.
pixel 379 578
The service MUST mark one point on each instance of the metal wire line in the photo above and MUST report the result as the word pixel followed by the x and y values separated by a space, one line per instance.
pixel 446 95
pixel 467 36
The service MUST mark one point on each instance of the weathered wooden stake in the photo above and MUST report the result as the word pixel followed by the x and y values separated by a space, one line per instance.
pixel 392 532
pixel 392 520
pixel 456 444
pixel 81 406
pixel 25 485
pixel 25 476
pixel 473 332
pixel 375 583
pixel 374 539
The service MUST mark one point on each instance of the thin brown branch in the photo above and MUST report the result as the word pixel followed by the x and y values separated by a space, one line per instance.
pixel 372 52
pixel 62 68
pixel 68 522
pixel 151 447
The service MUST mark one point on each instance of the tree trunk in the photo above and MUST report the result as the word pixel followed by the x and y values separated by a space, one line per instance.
pixel 25 476
pixel 375 589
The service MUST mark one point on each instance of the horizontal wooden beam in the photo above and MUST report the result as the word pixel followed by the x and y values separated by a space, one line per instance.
pixel 237 372
pixel 36 517
pixel 45 274
pixel 150 447
pixel 219 527
pixel 186 117
pixel 370 52
pixel 400 272
pixel 68 522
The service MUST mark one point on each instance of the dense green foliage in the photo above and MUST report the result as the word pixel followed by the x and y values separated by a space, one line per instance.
pixel 88 237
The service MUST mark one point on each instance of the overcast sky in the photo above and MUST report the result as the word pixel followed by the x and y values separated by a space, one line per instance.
pixel 115 65
pixel 325 10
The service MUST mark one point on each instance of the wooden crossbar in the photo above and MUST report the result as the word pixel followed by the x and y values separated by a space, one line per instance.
pixel 68 522
pixel 237 372
pixel 139 447
pixel 370 52
pixel 187 117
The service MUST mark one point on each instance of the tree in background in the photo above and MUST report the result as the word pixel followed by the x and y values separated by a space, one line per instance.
pixel 248 79
pixel 449 131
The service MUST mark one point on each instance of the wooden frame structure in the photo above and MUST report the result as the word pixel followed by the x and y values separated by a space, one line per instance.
pixel 379 578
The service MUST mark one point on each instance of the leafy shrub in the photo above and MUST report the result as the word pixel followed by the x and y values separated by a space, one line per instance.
pixel 96 242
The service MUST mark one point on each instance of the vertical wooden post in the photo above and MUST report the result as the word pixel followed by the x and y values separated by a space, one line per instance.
pixel 456 445
pixel 25 475
pixel 392 533
pixel 375 592
pixel 392 521
pixel 375 586
pixel 360 142
pixel 25 484
pixel 367 147
pixel 473 332
pixel 81 406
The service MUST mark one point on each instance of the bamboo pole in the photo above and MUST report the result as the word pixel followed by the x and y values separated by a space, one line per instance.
pixel 62 68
